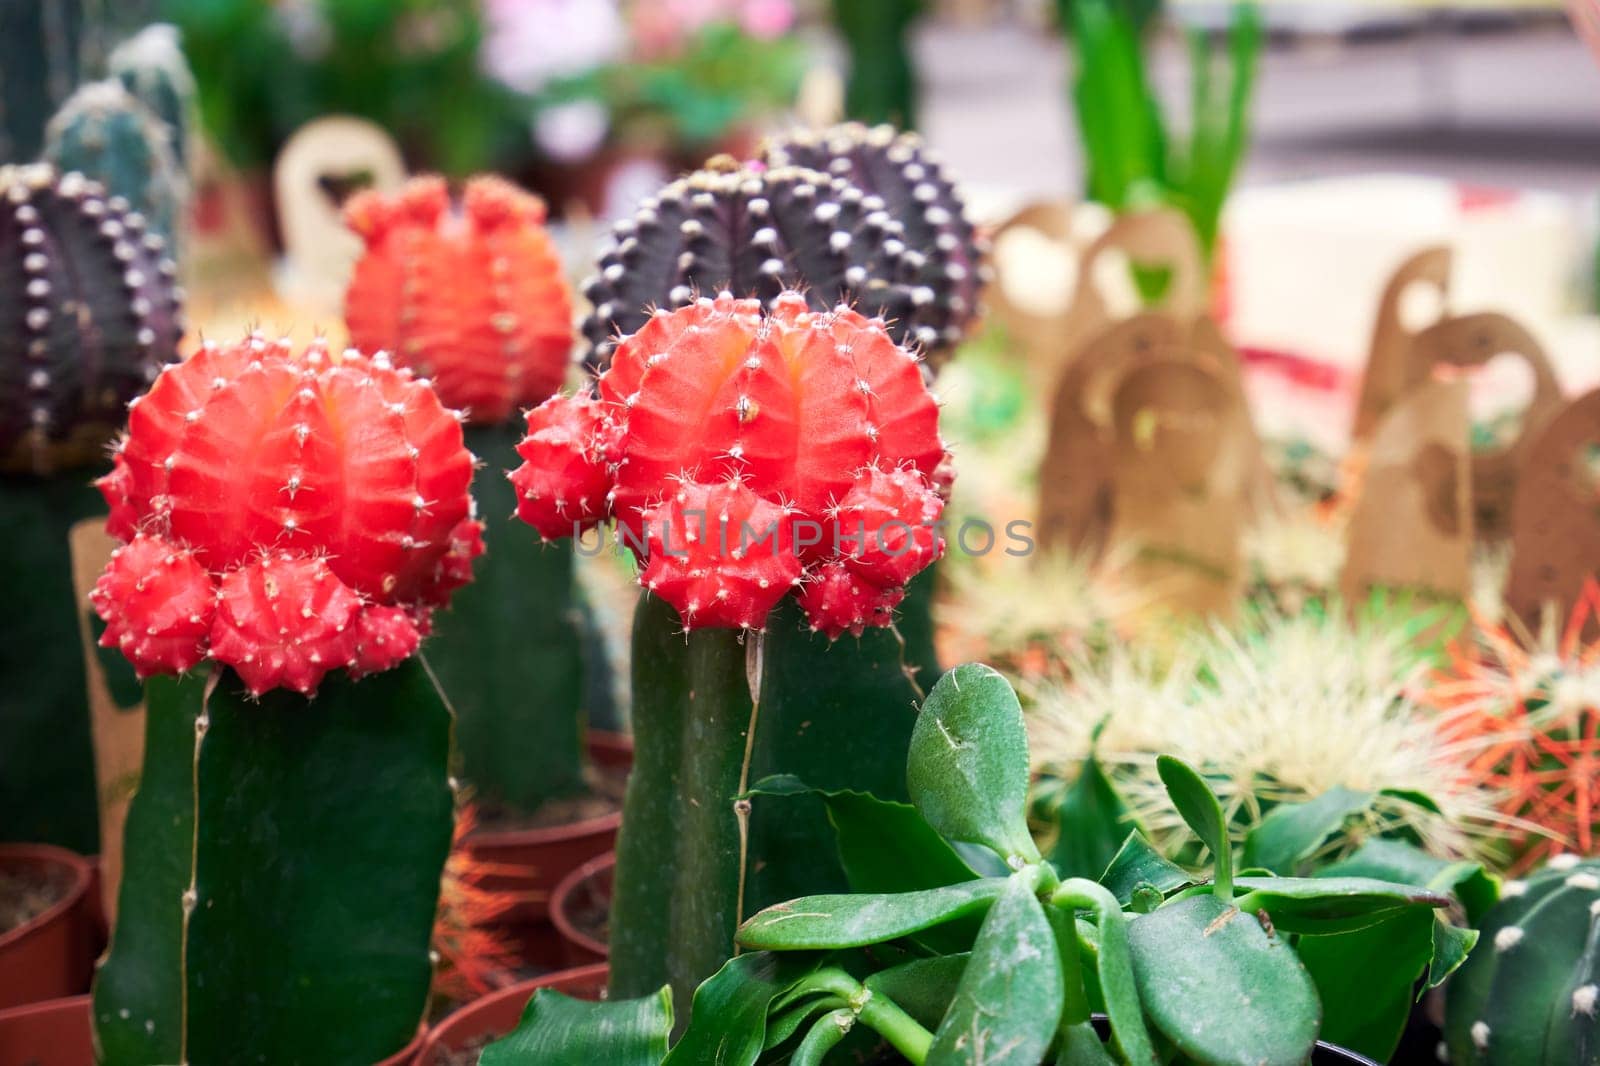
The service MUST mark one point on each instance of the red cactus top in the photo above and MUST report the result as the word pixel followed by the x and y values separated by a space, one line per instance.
pixel 474 299
pixel 284 514
pixel 743 454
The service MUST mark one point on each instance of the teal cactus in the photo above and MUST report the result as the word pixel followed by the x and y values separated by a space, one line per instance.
pixel 106 134
pixel 151 66
pixel 1530 994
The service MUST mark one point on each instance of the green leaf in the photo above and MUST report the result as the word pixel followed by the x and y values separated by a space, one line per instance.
pixel 1222 990
pixel 1320 905
pixel 728 1019
pixel 968 768
pixel 1113 981
pixel 923 988
pixel 1009 1000
pixel 888 847
pixel 1451 946
pixel 1091 823
pixel 1198 806
pixel 1136 864
pixel 1293 832
pixel 828 922
pixel 1394 860
pixel 1365 979
pixel 557 1028
pixel 1081 1046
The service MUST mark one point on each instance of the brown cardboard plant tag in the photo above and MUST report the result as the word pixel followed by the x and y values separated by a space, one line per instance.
pixel 116 708
pixel 1555 520
pixel 1471 341
pixel 1076 476
pixel 1181 462
pixel 1388 376
pixel 1051 319
pixel 1411 528
pixel 323 158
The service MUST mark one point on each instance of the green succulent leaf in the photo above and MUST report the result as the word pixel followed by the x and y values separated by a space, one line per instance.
pixel 1091 823
pixel 968 767
pixel 1365 978
pixel 1394 860
pixel 1293 832
pixel 1198 806
pixel 1009 999
pixel 1137 863
pixel 1451 946
pixel 829 922
pixel 1321 905
pixel 1111 981
pixel 923 988
pixel 558 1028
pixel 1220 988
pixel 728 1019
pixel 889 847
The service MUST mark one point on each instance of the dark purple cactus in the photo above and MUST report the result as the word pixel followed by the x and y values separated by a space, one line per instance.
pixel 756 232
pixel 927 209
pixel 89 313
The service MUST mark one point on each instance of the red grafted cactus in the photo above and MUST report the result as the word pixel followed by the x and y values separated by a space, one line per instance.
pixel 471 296
pixel 284 514
pixel 745 453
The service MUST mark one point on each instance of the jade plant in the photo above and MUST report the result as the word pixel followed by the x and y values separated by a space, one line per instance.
pixel 91 314
pixel 774 472
pixel 1530 994
pixel 471 295
pixel 960 943
pixel 289 524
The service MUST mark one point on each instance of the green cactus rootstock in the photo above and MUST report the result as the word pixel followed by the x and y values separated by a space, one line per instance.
pixel 882 84
pixel 511 653
pixel 1529 994
pixel 835 714
pixel 41 45
pixel 47 783
pixel 106 134
pixel 279 906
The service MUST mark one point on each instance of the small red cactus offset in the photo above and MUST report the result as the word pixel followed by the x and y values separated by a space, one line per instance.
pixel 474 299
pixel 284 515
pixel 743 454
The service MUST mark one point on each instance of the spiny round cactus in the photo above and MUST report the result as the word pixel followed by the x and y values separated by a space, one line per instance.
pixel 89 314
pixel 284 514
pixel 927 209
pixel 1529 994
pixel 1531 713
pixel 744 453
pixel 756 232
pixel 105 133
pixel 475 298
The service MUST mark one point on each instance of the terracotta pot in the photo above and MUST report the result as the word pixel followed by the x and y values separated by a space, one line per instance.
pixel 59 1033
pixel 52 954
pixel 587 886
pixel 497 1014
pixel 530 863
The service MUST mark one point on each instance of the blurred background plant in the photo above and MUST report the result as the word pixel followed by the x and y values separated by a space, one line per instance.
pixel 1279 709
pixel 1133 157
pixel 1531 701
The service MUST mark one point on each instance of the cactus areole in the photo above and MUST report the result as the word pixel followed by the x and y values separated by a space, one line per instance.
pixel 744 454
pixel 284 514
pixel 472 297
